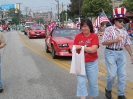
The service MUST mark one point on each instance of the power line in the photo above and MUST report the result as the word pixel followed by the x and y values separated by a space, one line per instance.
pixel 4 1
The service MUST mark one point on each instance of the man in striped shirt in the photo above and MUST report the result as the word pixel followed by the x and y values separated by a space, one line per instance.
pixel 115 38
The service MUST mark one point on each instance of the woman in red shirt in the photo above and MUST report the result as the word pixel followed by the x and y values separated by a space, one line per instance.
pixel 90 40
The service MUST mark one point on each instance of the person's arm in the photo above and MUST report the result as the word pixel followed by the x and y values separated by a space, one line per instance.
pixel 2 45
pixel 128 48
pixel 91 49
pixel 108 42
pixel 2 41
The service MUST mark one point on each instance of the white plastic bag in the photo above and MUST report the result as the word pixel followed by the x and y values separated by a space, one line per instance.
pixel 78 62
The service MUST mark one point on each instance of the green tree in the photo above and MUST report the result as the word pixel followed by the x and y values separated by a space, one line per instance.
pixel 63 16
pixel 128 4
pixel 92 8
pixel 16 17
pixel 73 8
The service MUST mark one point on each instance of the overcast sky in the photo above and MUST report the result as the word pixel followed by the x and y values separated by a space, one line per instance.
pixel 37 5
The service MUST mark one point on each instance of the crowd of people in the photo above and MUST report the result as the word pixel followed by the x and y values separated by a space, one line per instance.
pixel 9 27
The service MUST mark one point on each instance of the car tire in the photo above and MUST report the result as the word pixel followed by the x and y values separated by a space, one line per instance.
pixel 25 33
pixel 53 53
pixel 46 49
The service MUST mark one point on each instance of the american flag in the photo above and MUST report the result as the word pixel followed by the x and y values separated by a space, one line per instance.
pixel 101 18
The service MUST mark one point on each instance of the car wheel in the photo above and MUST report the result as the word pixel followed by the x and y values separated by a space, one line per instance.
pixel 46 49
pixel 25 33
pixel 53 53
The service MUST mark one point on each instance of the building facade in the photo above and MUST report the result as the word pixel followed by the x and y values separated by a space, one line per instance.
pixel 46 16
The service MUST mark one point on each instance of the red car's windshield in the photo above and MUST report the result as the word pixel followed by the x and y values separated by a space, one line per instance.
pixel 65 33
pixel 37 28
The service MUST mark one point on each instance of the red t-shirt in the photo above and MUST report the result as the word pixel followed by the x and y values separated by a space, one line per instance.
pixel 92 39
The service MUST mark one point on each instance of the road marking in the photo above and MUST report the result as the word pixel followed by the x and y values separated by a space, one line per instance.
pixel 62 63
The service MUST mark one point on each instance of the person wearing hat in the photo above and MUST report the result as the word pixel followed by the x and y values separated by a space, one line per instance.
pixel 115 38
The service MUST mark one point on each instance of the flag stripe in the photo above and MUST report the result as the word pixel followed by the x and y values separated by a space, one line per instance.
pixel 100 19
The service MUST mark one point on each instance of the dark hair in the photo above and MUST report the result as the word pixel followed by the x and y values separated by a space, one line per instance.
pixel 89 24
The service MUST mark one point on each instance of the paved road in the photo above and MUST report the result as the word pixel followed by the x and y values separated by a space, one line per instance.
pixel 27 75
pixel 33 74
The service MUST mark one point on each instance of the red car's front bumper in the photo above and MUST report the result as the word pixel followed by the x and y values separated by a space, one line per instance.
pixel 37 34
pixel 63 52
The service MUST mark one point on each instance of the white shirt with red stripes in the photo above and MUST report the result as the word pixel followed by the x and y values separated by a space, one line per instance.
pixel 112 33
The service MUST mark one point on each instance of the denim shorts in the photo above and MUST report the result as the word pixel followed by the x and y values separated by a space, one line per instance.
pixel 92 76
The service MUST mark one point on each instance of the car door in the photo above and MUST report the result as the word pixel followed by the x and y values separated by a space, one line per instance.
pixel 49 40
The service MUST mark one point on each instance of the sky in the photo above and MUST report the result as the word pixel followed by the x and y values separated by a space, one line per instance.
pixel 37 5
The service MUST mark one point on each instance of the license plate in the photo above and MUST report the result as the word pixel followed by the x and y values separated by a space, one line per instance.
pixel 37 34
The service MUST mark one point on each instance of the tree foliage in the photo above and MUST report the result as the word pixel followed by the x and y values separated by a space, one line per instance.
pixel 63 16
pixel 92 8
pixel 73 8
pixel 128 4
pixel 16 17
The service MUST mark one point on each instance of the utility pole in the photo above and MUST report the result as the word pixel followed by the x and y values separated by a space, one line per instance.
pixel 51 15
pixel 26 9
pixel 62 7
pixel 19 12
pixel 62 11
pixel 58 8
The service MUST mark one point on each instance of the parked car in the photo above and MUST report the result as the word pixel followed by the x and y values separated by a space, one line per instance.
pixel 26 26
pixel 58 42
pixel 36 31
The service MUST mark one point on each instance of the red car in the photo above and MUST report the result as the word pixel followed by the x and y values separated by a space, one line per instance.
pixel 59 41
pixel 36 31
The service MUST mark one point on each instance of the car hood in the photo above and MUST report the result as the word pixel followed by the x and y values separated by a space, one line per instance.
pixel 64 39
pixel 37 30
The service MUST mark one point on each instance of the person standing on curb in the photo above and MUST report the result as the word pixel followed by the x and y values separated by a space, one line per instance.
pixel 2 44
pixel 115 38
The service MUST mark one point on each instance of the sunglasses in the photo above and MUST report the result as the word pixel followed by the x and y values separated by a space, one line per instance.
pixel 120 20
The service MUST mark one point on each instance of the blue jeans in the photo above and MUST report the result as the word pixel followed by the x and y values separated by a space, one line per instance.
pixel 92 75
pixel 0 72
pixel 115 63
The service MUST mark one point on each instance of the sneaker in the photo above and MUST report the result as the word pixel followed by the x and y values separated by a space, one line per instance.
pixel 108 94
pixel 1 89
pixel 122 97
